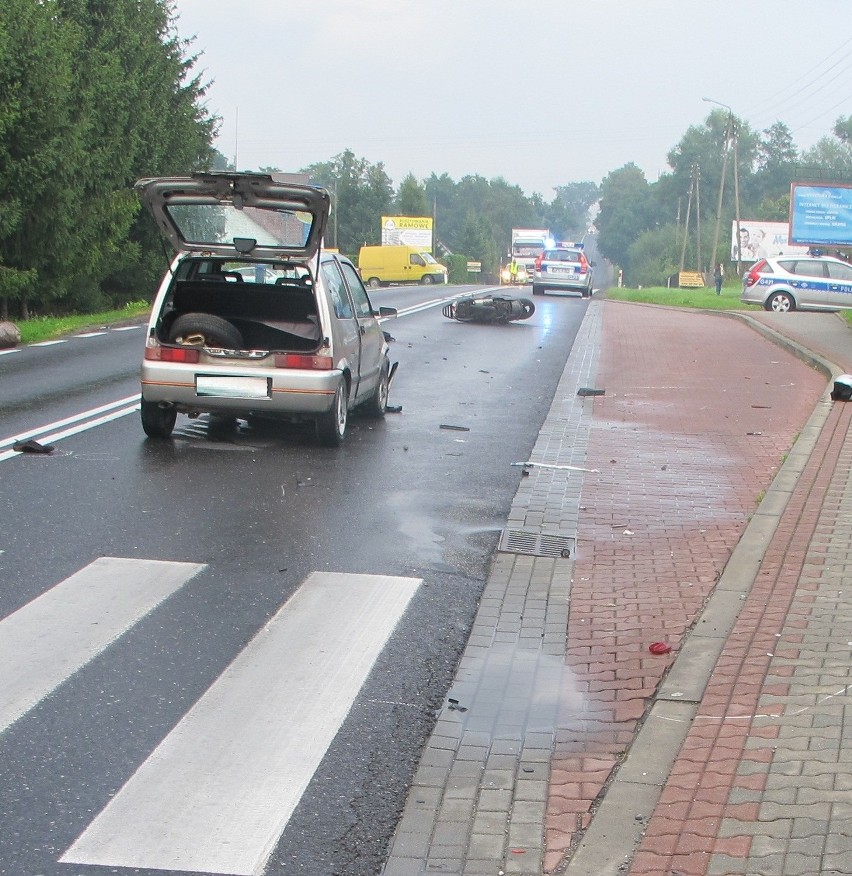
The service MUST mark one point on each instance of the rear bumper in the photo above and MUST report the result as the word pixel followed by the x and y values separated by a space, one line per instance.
pixel 202 389
pixel 548 281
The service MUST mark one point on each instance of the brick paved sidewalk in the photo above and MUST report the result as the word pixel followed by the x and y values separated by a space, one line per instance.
pixel 763 784
pixel 658 479
pixel 698 415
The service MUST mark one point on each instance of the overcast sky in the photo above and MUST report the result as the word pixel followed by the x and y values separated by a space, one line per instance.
pixel 539 92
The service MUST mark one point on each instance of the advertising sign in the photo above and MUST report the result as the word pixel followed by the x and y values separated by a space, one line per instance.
pixel 408 231
pixel 821 215
pixel 762 240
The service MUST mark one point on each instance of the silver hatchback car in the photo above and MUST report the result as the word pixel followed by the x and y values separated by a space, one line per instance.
pixel 799 283
pixel 253 317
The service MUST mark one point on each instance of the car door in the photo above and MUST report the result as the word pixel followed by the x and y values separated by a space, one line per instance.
pixel 839 284
pixel 347 335
pixel 372 337
pixel 810 283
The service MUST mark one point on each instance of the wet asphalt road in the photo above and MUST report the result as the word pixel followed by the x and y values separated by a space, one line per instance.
pixel 422 494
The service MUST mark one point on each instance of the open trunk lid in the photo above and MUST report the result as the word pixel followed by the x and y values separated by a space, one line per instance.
pixel 238 214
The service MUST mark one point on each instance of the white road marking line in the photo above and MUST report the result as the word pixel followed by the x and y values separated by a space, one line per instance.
pixel 435 302
pixel 50 638
pixel 47 343
pixel 217 793
pixel 130 404
pixel 90 335
pixel 10 350
pixel 127 328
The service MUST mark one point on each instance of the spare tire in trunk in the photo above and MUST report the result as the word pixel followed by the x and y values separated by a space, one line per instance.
pixel 205 330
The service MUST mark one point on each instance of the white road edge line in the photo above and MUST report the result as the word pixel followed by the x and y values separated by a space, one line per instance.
pixel 131 400
pixel 49 639
pixel 217 793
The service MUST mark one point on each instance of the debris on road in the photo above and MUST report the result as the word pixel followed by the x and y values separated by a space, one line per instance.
pixel 558 467
pixel 842 390
pixel 32 446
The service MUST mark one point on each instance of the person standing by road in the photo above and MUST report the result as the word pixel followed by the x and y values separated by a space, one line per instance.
pixel 718 277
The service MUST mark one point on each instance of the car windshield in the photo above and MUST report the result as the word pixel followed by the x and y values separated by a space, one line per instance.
pixel 522 248
pixel 562 255
pixel 427 257
pixel 230 271
pixel 224 223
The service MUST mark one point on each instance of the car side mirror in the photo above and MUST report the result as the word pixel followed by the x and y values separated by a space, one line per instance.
pixel 385 311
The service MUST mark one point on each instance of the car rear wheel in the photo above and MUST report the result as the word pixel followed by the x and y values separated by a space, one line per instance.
pixel 780 302
pixel 158 421
pixel 205 330
pixel 377 404
pixel 373 283
pixel 331 426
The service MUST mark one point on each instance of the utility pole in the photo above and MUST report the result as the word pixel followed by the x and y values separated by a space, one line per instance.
pixel 236 136
pixel 334 216
pixel 686 221
pixel 698 217
pixel 435 226
pixel 728 129
pixel 730 137
pixel 737 202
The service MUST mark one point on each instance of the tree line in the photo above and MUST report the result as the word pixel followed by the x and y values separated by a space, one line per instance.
pixel 95 94
pixel 642 224
pixel 472 217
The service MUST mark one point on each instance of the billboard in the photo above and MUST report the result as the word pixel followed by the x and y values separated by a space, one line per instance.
pixel 821 215
pixel 762 240
pixel 407 230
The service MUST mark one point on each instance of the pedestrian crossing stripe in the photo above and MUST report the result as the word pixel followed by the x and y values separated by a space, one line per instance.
pixel 217 793
pixel 49 639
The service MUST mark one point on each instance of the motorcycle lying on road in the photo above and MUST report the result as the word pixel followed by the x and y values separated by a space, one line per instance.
pixel 489 308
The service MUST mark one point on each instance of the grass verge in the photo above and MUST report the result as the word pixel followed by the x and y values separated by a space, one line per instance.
pixel 47 328
pixel 703 299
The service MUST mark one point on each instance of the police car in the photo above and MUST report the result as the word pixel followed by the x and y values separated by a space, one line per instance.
pixel 564 267
pixel 799 283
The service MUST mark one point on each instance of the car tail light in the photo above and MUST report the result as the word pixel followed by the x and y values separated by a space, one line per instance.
pixel 190 355
pixel 754 274
pixel 584 265
pixel 538 261
pixel 306 363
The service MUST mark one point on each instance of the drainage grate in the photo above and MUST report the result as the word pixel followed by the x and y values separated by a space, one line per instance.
pixel 537 544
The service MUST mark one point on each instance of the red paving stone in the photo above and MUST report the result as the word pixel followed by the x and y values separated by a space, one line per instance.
pixel 687 437
pixel 776 585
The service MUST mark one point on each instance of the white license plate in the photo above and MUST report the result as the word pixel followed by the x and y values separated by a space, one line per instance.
pixel 214 386
pixel 561 270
